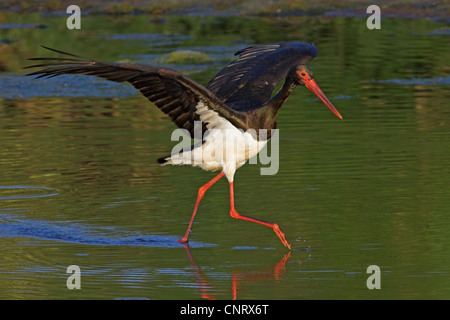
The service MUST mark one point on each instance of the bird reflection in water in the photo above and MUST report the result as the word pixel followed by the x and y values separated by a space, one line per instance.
pixel 238 277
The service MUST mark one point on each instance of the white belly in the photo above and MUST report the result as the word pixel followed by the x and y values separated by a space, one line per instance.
pixel 224 146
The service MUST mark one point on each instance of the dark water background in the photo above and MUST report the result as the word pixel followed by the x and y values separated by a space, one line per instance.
pixel 79 184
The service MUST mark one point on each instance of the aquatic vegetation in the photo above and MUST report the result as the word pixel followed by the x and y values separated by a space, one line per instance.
pixel 187 57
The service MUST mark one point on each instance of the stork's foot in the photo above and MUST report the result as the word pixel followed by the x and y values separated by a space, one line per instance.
pixel 280 235
pixel 275 227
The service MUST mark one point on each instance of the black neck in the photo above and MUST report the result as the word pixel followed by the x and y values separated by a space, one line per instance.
pixel 266 117
pixel 280 98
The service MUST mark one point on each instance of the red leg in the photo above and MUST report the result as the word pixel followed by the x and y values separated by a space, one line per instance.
pixel 274 226
pixel 201 193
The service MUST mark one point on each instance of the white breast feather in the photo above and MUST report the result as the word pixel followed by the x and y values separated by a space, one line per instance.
pixel 225 147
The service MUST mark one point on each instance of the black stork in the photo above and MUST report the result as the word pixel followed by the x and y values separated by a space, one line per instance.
pixel 237 102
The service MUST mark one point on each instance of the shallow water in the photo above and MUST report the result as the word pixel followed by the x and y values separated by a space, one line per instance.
pixel 79 184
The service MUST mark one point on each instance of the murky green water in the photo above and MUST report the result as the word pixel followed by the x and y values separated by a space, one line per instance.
pixel 79 184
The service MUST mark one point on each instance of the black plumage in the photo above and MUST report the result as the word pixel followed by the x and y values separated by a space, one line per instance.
pixel 248 82
pixel 238 97
pixel 245 84
pixel 172 92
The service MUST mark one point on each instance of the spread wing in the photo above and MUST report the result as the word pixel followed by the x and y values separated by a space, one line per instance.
pixel 181 98
pixel 249 81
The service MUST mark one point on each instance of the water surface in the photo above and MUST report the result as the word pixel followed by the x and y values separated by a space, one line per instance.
pixel 79 184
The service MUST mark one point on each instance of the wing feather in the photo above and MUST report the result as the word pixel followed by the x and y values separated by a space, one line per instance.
pixel 173 93
pixel 248 82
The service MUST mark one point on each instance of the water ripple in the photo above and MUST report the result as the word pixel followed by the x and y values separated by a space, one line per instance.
pixel 16 86
pixel 17 189
pixel 436 81
pixel 15 226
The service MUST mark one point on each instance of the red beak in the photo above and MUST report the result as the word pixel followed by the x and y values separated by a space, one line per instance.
pixel 312 85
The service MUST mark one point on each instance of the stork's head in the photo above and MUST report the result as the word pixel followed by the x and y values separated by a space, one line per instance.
pixel 303 76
